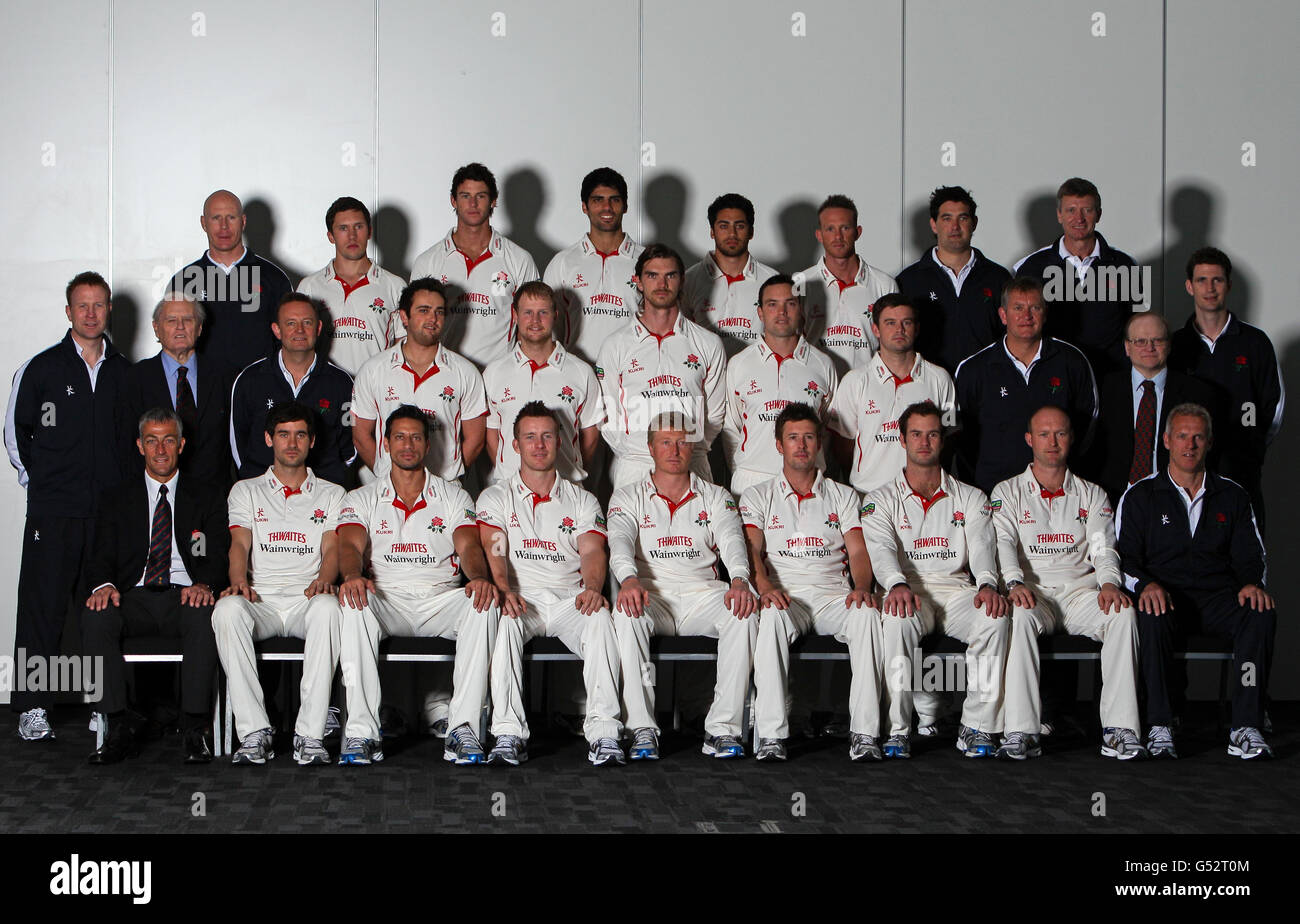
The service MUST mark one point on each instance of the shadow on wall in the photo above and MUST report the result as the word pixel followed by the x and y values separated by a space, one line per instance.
pixel 797 222
pixel 259 236
pixel 1041 225
pixel 127 320
pixel 920 238
pixel 523 198
pixel 1284 494
pixel 392 236
pixel 1191 225
pixel 666 197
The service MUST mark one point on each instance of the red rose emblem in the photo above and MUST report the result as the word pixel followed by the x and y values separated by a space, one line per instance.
pixel 988 293
pixel 566 390
pixel 1222 518
pixel 567 521
pixel 325 404
pixel 448 391
pixel 812 386
pixel 379 303
pixel 1241 360
pixel 959 517
pixel 695 359
pixel 437 521
pixel 1055 382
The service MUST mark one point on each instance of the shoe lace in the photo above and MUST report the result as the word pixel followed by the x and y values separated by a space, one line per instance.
pixel 1014 740
pixel 465 739
pixel 606 746
pixel 644 736
pixel 1160 735
pixel 1250 737
pixel 355 744
pixel 252 741
pixel 39 720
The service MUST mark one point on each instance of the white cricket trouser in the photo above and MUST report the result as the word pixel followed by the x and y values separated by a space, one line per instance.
pixel 875 641
pixel 238 623
pixel 950 609
pixel 695 610
pixel 423 613
pixel 591 637
pixel 1076 611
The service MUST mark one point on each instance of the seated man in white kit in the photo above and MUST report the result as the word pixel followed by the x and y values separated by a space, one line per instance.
pixel 545 543
pixel 805 541
pixel 932 548
pixel 421 534
pixel 284 521
pixel 667 532
pixel 1056 546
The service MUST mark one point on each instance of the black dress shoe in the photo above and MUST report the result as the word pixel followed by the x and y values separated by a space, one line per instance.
pixel 120 744
pixel 197 750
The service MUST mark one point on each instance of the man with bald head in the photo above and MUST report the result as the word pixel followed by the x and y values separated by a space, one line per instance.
pixel 172 378
pixel 238 289
pixel 1134 405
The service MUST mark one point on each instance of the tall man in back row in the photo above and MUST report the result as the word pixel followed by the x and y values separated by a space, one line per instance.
pixel 481 268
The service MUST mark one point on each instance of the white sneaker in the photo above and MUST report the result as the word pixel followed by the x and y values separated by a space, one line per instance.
pixel 1247 743
pixel 34 725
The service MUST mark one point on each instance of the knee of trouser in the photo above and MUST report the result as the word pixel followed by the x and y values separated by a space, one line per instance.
pixel 323 608
pixel 229 614
pixel 774 621
pixel 1026 622
pixel 1125 621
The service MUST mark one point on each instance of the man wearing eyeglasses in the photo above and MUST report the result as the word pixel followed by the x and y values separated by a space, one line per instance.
pixel 1135 404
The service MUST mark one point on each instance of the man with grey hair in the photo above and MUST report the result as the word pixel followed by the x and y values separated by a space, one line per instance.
pixel 172 378
pixel 668 531
pixel 159 559
pixel 1193 559
pixel 239 289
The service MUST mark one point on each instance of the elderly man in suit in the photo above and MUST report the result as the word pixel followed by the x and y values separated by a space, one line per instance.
pixel 1135 404
pixel 200 396
pixel 159 560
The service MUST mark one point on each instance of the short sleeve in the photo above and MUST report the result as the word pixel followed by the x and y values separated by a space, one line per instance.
pixel 240 505
pixel 491 506
pixel 751 508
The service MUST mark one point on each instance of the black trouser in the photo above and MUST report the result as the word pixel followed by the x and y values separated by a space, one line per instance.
pixel 159 614
pixel 49 581
pixel 1218 613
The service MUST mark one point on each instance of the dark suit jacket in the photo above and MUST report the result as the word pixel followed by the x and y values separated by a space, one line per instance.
pixel 207 452
pixel 125 521
pixel 1112 448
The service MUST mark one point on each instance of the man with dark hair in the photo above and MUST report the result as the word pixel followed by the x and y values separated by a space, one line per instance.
pixel 63 431
pixel 541 369
pixel 294 373
pixel 659 362
pixel 419 370
pixel 361 296
pixel 545 543
pixel 282 530
pixel 841 288
pixel 1001 385
pixel 777 371
pixel 805 542
pixel 418 533
pixel 954 287
pixel 173 379
pixel 160 556
pixel 1239 361
pixel 668 531
pixel 1091 286
pixel 1134 405
pixel 594 279
pixel 721 291
pixel 864 412
pixel 932 549
pixel 480 267
pixel 1192 556
pixel 239 289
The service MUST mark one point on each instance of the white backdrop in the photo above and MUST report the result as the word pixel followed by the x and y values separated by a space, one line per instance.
pixel 121 116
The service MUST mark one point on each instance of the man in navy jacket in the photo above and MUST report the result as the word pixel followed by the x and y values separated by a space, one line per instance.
pixel 1193 558
pixel 63 432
